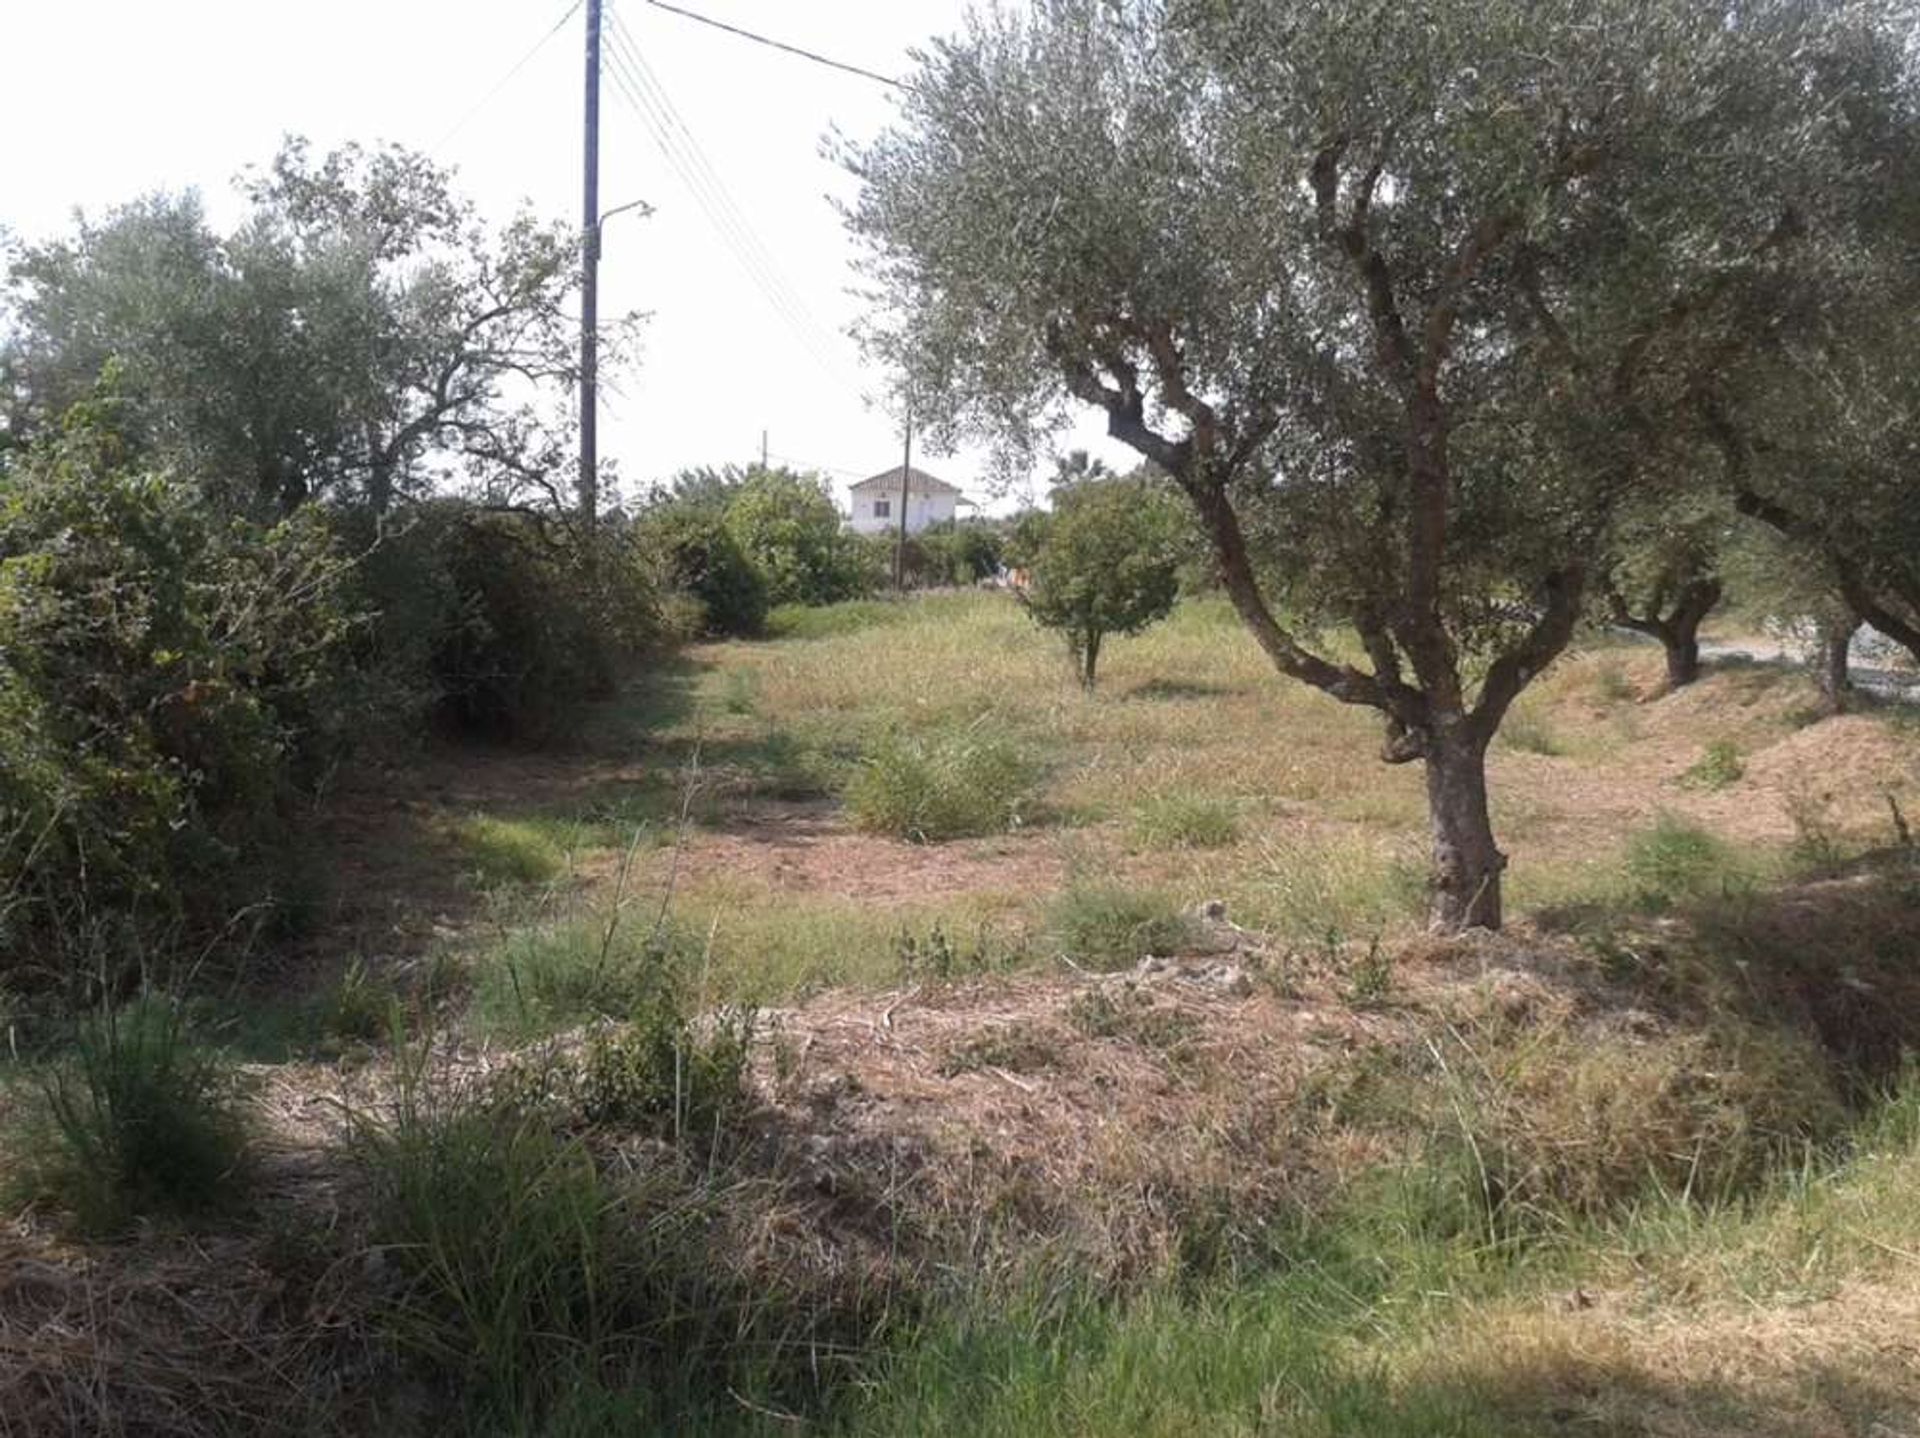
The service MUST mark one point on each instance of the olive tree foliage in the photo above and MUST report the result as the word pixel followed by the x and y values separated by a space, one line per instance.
pixel 1820 431
pixel 1402 296
pixel 361 336
pixel 1664 574
pixel 1108 562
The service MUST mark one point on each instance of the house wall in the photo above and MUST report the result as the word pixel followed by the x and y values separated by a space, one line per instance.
pixel 922 510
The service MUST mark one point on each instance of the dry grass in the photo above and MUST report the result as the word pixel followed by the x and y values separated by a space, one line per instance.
pixel 1602 1102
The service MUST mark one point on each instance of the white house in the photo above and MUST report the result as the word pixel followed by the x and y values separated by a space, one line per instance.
pixel 876 502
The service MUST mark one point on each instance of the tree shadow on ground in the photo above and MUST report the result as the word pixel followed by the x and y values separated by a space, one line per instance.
pixel 1835 956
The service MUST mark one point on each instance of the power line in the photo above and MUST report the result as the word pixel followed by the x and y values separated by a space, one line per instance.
pixel 642 89
pixel 725 224
pixel 690 144
pixel 507 79
pixel 782 45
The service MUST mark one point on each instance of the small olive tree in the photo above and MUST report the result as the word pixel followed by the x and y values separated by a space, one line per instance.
pixel 1402 297
pixel 1109 563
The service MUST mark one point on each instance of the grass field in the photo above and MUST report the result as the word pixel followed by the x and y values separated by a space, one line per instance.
pixel 831 1037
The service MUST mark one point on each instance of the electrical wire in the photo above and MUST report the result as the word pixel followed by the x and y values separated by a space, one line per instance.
pixel 724 224
pixel 507 79
pixel 646 94
pixel 763 258
pixel 781 45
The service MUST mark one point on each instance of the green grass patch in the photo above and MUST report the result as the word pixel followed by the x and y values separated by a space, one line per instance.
pixel 1527 730
pixel 1303 890
pixel 945 784
pixel 1676 860
pixel 509 851
pixel 1185 821
pixel 829 621
pixel 1719 767
pixel 1110 927
pixel 137 1119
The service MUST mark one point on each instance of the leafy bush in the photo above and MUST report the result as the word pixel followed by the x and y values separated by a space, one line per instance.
pixel 168 678
pixel 696 554
pixel 1184 821
pixel 546 621
pixel 137 1120
pixel 958 554
pixel 789 528
pixel 1109 927
pixel 947 785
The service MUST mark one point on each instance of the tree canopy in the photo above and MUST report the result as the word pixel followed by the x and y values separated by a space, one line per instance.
pixel 1405 298
pixel 361 336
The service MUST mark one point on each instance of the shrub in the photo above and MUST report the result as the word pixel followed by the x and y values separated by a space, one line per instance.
pixel 169 679
pixel 666 1071
pixel 1107 563
pixel 1184 821
pixel 946 785
pixel 789 528
pixel 546 622
pixel 137 1120
pixel 695 553
pixel 1108 927
pixel 958 554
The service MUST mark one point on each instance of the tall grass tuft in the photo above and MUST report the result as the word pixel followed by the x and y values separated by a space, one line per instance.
pixel 950 784
pixel 1675 860
pixel 137 1120
pixel 546 1289
pixel 1184 821
pixel 1109 927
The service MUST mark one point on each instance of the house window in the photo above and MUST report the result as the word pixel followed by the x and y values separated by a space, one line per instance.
pixel 882 508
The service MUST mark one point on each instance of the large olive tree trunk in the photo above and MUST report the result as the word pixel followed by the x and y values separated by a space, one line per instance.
pixel 1467 863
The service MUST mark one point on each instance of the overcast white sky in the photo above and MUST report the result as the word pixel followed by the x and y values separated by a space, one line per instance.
pixel 110 98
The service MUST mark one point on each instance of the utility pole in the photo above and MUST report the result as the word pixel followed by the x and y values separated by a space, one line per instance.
pixel 590 283
pixel 906 490
pixel 763 451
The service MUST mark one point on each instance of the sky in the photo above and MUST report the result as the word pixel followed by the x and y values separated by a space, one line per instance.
pixel 110 99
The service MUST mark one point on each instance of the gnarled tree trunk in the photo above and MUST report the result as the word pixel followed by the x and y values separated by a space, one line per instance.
pixel 1679 631
pixel 1467 864
pixel 1835 661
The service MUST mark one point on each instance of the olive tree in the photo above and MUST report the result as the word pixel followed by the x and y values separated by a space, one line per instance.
pixel 1664 576
pixel 362 336
pixel 1402 297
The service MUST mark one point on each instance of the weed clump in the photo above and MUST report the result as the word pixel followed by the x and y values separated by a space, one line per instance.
pixel 1676 860
pixel 139 1119
pixel 949 785
pixel 1720 767
pixel 1107 927
pixel 1184 821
